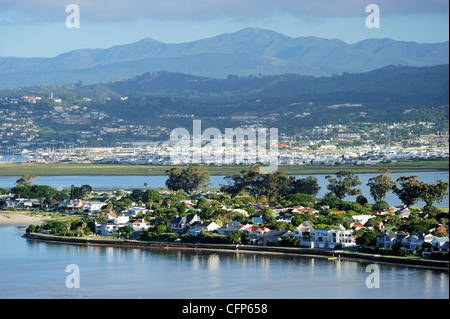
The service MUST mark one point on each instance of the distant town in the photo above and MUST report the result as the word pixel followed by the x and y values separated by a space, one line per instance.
pixel 25 139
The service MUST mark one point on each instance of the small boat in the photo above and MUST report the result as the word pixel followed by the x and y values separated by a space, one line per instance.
pixel 332 258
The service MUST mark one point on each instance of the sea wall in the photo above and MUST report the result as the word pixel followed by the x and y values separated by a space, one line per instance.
pixel 303 252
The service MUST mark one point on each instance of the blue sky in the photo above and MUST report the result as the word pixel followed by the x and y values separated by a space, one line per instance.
pixel 30 28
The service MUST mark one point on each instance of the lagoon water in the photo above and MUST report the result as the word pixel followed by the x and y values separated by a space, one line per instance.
pixel 133 182
pixel 37 270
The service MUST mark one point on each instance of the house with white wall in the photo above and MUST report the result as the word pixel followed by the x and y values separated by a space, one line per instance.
pixel 197 227
pixel 330 238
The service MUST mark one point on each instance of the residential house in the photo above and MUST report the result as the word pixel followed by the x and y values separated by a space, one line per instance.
pixel 179 224
pixel 331 238
pixel 286 218
pixel 197 227
pixel 135 211
pixel 73 204
pixel 303 229
pixel 112 226
pixel 402 211
pixel 254 233
pixel 274 236
pixel 335 213
pixel 385 240
pixel 140 225
pixel 257 219
pixel 439 244
pixel 93 207
pixel 21 203
pixel 362 219
pixel 414 241
pixel 229 229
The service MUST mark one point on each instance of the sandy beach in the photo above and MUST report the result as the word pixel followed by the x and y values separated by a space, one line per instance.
pixel 19 219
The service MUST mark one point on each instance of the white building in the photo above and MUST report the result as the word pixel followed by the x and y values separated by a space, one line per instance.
pixel 140 225
pixel 330 238
pixel 197 227
pixel 134 211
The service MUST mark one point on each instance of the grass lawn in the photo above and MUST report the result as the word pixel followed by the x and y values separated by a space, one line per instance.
pixel 51 169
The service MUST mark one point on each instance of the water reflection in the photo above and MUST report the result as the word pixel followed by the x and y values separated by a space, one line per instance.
pixel 108 272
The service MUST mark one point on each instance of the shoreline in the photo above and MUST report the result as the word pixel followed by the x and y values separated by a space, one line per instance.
pixel 58 169
pixel 19 219
pixel 300 252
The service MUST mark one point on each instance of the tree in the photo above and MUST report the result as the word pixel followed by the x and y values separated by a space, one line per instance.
pixel 361 200
pixel 241 182
pixel 308 185
pixel 381 205
pixel 407 189
pixel 101 218
pixel 380 185
pixel 237 236
pixel 271 185
pixel 368 238
pixel 190 180
pixel 267 215
pixel 126 230
pixel 432 193
pixel 26 180
pixel 344 184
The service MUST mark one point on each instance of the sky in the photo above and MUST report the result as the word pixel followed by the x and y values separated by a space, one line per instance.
pixel 38 28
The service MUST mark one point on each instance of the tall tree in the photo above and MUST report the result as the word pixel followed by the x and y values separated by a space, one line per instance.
pixel 241 183
pixel 407 189
pixel 271 185
pixel 344 184
pixel 380 185
pixel 432 193
pixel 26 180
pixel 190 180
pixel 308 185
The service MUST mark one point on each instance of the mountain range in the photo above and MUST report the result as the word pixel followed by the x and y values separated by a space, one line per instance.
pixel 250 51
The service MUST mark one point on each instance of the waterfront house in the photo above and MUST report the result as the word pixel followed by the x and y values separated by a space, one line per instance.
pixel 140 225
pixel 275 236
pixel 331 238
pixel 414 241
pixel 303 229
pixel 229 229
pixel 178 224
pixel 387 240
pixel 112 226
pixel 439 244
pixel 254 234
pixel 197 227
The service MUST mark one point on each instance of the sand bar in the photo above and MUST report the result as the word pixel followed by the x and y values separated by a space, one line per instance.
pixel 20 219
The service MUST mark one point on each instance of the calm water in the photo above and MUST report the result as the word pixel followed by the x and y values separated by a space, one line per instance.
pixel 36 270
pixel 133 182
